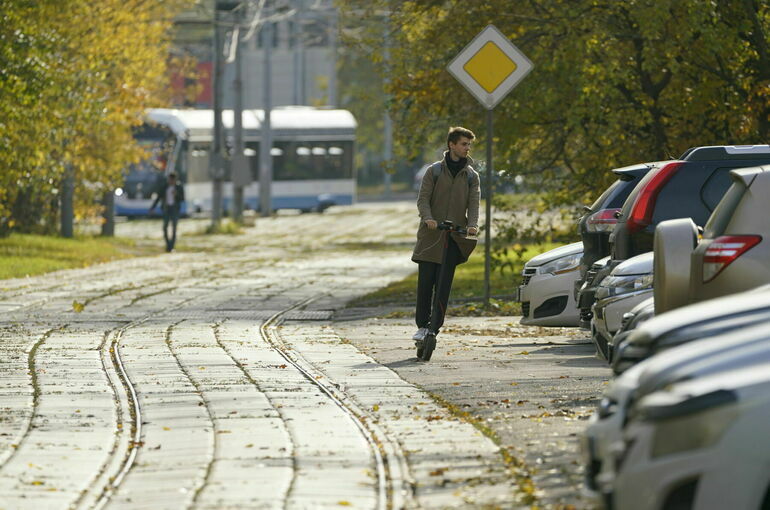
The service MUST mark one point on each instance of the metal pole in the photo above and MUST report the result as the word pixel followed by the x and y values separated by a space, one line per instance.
pixel 67 210
pixel 108 227
pixel 238 161
pixel 333 60
pixel 387 155
pixel 299 57
pixel 488 193
pixel 216 159
pixel 266 143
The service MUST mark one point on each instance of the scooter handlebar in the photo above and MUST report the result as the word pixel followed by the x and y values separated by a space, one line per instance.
pixel 451 227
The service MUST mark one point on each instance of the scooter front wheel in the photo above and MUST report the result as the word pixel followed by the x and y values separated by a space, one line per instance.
pixel 428 345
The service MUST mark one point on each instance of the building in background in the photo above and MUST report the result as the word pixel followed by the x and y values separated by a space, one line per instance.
pixel 303 56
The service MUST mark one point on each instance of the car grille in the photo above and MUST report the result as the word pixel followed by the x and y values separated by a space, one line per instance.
pixel 525 308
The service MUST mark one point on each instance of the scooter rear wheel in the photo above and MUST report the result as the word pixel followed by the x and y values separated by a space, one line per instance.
pixel 428 345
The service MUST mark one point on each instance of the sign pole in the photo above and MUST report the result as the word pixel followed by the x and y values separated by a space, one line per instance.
pixel 489 67
pixel 488 194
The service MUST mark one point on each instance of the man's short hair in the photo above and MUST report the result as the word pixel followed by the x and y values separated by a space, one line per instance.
pixel 172 174
pixel 457 132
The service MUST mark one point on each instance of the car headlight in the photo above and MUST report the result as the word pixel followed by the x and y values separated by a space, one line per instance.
pixel 562 265
pixel 617 285
pixel 684 424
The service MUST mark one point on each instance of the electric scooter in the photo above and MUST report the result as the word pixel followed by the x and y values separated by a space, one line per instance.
pixel 427 345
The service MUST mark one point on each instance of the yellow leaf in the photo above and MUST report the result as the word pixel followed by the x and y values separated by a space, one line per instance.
pixel 375 408
pixel 78 307
pixel 343 503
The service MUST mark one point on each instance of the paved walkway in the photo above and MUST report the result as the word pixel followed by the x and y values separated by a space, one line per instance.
pixel 214 380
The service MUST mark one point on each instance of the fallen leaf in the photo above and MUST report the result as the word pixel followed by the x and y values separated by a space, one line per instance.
pixel 375 408
pixel 77 306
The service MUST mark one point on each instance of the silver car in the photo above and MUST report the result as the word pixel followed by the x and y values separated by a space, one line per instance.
pixel 628 284
pixel 733 254
pixel 603 439
pixel 547 290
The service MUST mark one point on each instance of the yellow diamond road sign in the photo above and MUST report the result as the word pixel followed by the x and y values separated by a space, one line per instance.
pixel 490 66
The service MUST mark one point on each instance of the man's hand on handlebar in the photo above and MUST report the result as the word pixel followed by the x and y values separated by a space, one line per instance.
pixel 432 224
pixel 472 231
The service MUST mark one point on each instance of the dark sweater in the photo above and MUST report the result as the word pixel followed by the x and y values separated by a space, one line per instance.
pixel 455 166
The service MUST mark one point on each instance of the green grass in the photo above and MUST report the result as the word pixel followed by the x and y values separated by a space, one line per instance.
pixel 28 255
pixel 468 282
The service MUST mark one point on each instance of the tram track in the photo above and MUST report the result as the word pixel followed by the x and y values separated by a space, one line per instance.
pixel 395 490
pixel 129 432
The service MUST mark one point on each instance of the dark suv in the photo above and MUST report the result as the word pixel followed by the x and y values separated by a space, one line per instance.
pixel 595 226
pixel 689 187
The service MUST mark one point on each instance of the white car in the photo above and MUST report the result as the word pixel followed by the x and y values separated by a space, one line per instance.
pixel 699 444
pixel 627 285
pixel 547 290
pixel 602 441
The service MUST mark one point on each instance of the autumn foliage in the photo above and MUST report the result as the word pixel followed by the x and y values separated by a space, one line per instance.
pixel 614 83
pixel 75 78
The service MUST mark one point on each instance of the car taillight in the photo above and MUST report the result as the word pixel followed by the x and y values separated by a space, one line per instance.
pixel 603 220
pixel 644 204
pixel 723 251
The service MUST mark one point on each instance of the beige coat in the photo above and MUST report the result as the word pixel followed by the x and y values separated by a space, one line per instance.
pixel 450 198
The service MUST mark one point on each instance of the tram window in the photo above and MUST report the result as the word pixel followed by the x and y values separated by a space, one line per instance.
pixel 293 161
pixel 198 163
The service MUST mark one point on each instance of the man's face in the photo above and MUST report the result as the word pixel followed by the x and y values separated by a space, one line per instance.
pixel 461 148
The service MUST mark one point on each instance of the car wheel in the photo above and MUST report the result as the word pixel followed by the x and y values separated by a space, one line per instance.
pixel 673 245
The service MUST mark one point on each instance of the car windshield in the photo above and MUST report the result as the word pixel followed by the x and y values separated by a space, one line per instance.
pixel 725 209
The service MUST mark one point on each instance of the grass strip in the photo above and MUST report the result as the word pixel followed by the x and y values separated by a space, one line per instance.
pixel 468 284
pixel 28 255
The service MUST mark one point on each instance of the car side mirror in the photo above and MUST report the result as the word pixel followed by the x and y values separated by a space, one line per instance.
pixel 700 231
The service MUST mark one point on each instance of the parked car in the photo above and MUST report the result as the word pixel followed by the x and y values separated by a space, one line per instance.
pixel 699 444
pixel 733 254
pixel 627 285
pixel 600 218
pixel 689 323
pixel 546 291
pixel 689 187
pixel 602 440
pixel 631 320
pixel 586 295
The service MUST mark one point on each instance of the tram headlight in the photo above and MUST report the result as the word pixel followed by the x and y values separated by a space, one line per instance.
pixel 119 192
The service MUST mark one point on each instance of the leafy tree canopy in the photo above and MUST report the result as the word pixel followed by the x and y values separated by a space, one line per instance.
pixel 75 77
pixel 614 83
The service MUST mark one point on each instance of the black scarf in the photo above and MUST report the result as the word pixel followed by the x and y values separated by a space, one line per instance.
pixel 455 166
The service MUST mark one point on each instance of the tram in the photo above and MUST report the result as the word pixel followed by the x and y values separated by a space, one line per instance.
pixel 312 156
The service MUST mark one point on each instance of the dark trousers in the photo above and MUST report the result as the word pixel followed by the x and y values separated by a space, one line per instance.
pixel 432 283
pixel 170 216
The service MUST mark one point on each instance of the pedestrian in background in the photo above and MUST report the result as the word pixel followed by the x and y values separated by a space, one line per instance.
pixel 449 191
pixel 170 195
